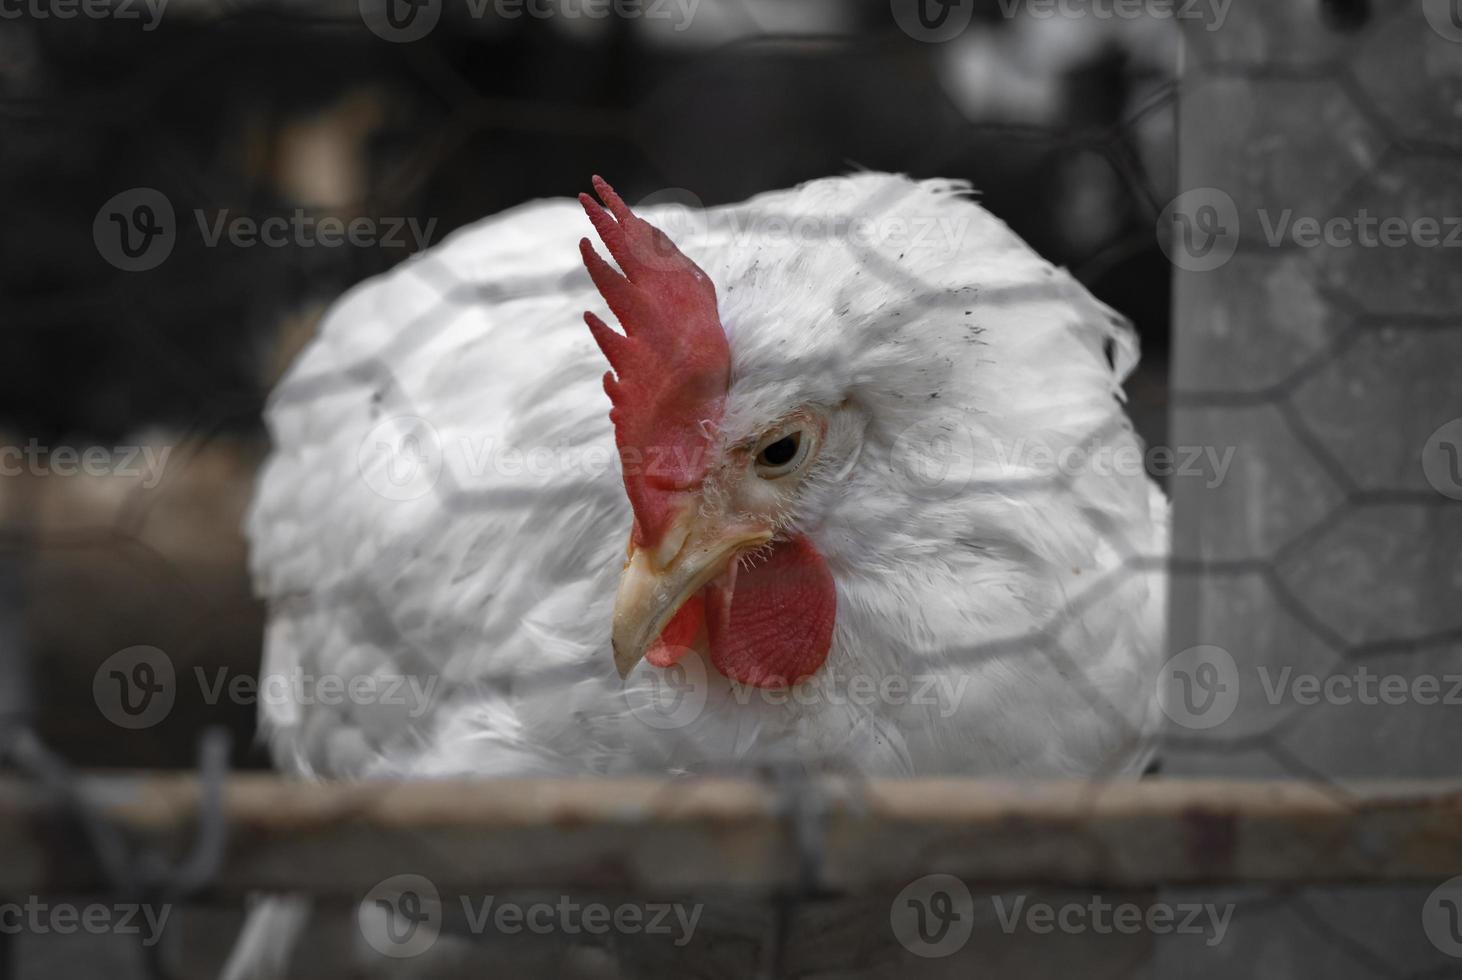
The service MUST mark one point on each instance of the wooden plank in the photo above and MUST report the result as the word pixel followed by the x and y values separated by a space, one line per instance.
pixel 655 836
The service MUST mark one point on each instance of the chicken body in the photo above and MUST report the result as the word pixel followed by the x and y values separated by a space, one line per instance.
pixel 441 527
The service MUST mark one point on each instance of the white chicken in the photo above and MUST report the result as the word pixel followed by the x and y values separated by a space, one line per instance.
pixel 858 500
pixel 863 445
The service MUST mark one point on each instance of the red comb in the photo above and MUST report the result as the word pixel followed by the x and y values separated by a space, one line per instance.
pixel 672 365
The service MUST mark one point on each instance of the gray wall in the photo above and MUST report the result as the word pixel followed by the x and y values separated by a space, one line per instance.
pixel 1332 547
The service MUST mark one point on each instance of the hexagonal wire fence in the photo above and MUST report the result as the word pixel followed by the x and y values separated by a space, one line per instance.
pixel 1313 463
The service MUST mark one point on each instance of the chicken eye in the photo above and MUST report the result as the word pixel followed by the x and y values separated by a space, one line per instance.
pixel 781 456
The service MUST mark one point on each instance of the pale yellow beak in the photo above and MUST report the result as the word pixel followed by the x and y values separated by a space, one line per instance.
pixel 657 582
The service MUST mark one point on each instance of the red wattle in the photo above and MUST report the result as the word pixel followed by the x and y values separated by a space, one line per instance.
pixel 778 628
pixel 679 634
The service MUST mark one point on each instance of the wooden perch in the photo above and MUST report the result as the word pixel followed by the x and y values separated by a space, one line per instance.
pixel 658 836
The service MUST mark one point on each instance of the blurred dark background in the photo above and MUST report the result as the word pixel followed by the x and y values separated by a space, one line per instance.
pixel 1065 126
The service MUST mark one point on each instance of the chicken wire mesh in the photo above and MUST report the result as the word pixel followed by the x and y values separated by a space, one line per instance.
pixel 1316 529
